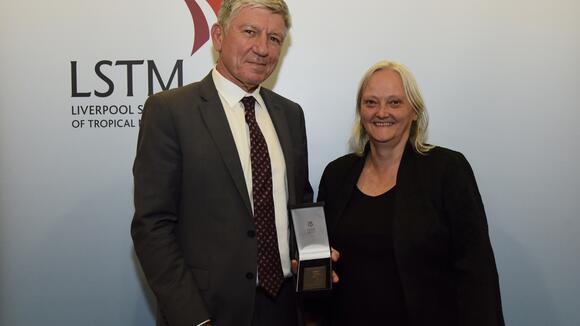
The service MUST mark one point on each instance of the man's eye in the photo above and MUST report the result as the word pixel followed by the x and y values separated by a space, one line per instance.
pixel 275 39
pixel 250 32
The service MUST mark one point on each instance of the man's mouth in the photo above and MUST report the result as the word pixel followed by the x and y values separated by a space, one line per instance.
pixel 258 62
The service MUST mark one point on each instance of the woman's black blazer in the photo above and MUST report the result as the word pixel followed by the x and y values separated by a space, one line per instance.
pixel 441 241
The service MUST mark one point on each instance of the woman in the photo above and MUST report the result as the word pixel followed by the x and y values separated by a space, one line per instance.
pixel 407 219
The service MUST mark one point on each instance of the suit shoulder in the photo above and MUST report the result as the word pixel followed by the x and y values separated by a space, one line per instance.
pixel 442 154
pixel 342 164
pixel 178 94
pixel 275 97
pixel 444 160
pixel 180 99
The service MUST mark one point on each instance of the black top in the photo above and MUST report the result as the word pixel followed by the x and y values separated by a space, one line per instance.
pixel 369 291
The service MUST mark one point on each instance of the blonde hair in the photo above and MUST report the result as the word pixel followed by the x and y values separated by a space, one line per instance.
pixel 418 133
pixel 230 8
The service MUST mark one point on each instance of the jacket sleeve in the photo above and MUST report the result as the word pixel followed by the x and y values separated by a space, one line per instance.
pixel 322 192
pixel 308 194
pixel 475 272
pixel 157 193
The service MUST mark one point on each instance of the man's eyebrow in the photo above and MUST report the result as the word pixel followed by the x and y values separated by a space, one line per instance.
pixel 249 26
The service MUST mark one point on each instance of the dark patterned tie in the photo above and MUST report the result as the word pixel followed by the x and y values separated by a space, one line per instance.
pixel 269 267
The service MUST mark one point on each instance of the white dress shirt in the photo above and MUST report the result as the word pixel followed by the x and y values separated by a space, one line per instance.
pixel 230 95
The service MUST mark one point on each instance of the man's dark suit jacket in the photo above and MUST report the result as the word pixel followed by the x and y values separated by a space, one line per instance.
pixel 441 240
pixel 193 227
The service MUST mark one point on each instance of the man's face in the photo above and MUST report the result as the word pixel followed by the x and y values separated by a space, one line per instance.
pixel 250 48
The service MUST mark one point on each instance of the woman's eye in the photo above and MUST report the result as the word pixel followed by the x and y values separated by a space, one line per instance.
pixel 395 102
pixel 369 102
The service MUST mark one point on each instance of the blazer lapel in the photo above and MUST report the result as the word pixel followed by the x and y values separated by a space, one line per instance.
pixel 350 180
pixel 216 121
pixel 282 130
pixel 406 175
pixel 407 198
pixel 405 185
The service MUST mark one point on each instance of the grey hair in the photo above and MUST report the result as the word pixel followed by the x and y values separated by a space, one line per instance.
pixel 230 8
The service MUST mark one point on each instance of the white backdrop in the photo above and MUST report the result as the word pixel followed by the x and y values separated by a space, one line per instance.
pixel 501 80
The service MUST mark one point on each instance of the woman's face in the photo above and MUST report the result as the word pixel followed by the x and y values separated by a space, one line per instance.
pixel 385 111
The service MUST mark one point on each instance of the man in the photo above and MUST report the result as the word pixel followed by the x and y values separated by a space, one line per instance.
pixel 217 163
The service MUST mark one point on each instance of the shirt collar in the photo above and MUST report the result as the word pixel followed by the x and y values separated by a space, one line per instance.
pixel 231 92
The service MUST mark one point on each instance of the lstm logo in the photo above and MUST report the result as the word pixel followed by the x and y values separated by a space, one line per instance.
pixel 200 24
pixel 156 79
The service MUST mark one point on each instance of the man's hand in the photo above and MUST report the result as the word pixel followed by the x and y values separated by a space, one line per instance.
pixel 334 255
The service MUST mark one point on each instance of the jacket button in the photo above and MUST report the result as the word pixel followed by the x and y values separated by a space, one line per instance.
pixel 250 276
pixel 251 233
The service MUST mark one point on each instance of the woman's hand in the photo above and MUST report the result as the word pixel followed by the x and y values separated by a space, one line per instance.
pixel 334 255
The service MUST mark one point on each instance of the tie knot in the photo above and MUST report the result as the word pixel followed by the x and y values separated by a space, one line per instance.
pixel 248 102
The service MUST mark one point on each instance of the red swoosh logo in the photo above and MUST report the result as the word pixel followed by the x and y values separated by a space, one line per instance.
pixel 200 25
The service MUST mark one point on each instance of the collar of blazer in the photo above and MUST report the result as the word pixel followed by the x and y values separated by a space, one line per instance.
pixel 280 120
pixel 407 183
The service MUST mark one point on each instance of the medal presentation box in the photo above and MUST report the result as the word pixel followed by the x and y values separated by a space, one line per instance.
pixel 314 262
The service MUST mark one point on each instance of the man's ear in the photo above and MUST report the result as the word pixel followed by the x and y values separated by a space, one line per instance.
pixel 217 36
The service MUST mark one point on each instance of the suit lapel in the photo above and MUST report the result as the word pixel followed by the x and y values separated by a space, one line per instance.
pixel 216 121
pixel 406 186
pixel 282 130
pixel 406 183
pixel 347 188
pixel 407 198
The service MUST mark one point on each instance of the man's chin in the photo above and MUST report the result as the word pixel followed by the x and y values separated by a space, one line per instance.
pixel 256 79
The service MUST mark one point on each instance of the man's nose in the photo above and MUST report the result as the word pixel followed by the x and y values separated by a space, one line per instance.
pixel 261 45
